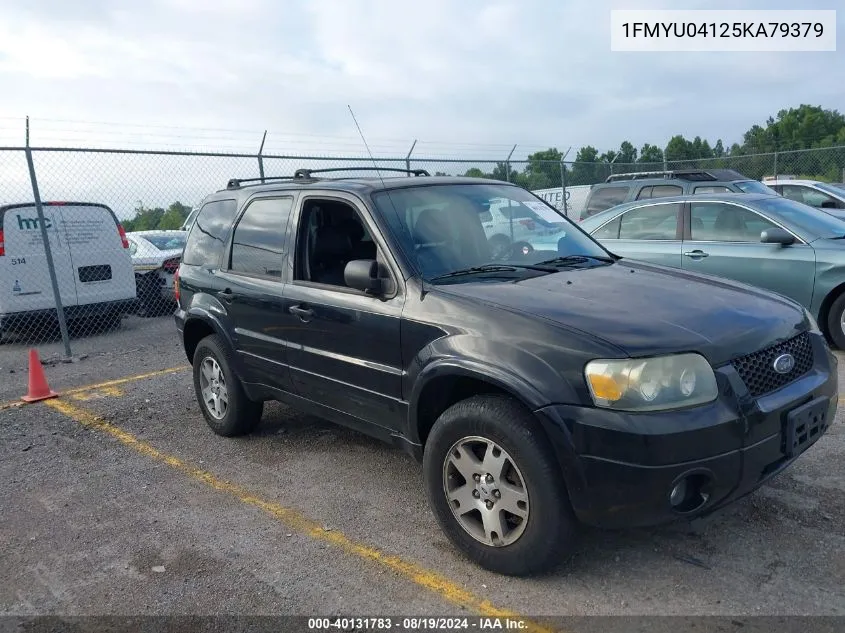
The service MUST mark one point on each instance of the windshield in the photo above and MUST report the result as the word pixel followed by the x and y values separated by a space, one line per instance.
pixel 811 220
pixel 753 186
pixel 836 189
pixel 449 228
pixel 167 242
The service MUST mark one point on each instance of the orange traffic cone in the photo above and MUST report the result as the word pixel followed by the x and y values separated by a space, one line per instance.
pixel 38 387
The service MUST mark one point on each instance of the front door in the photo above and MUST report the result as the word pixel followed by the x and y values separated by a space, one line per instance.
pixel 345 351
pixel 724 240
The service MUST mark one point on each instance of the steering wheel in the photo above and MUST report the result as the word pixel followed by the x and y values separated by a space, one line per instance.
pixel 512 250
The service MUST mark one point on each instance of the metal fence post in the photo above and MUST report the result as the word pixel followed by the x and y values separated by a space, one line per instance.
pixel 563 181
pixel 776 165
pixel 408 157
pixel 260 157
pixel 60 311
pixel 508 164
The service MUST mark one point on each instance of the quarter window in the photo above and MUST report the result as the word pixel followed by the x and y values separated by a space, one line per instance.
pixel 654 222
pixel 206 240
pixel 258 244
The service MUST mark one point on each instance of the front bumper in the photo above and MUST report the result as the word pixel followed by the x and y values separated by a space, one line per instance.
pixel 620 468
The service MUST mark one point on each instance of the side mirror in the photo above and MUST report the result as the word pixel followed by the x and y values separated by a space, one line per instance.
pixel 363 274
pixel 777 235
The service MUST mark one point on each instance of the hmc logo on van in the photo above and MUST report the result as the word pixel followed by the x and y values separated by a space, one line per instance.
pixel 32 223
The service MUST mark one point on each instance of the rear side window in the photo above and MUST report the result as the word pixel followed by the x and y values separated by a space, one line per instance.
pixel 208 235
pixel 654 222
pixel 609 231
pixel 711 189
pixel 258 245
pixel 606 197
pixel 660 191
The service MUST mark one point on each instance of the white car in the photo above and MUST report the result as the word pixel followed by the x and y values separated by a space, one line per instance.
pixel 90 258
pixel 827 197
pixel 506 223
pixel 155 257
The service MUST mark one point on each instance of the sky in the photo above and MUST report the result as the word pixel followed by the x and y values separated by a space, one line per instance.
pixel 466 79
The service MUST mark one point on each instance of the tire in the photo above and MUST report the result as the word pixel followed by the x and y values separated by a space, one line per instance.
pixel 536 544
pixel 241 415
pixel 835 328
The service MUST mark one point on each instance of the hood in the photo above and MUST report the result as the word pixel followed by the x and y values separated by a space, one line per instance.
pixel 646 309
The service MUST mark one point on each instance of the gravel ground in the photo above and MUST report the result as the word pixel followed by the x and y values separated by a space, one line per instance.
pixel 94 523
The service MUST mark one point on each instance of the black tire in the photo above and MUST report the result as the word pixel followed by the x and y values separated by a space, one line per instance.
pixel 242 415
pixel 834 322
pixel 550 533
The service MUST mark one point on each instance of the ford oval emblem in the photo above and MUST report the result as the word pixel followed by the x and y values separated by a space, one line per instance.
pixel 784 363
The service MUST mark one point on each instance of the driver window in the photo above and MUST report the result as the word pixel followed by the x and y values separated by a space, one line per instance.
pixel 654 222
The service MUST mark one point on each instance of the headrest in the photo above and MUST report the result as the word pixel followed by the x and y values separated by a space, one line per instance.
pixel 331 243
pixel 432 227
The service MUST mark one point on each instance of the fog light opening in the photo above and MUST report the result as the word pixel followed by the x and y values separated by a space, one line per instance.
pixel 690 493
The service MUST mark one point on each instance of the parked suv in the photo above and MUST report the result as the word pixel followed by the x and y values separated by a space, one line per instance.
pixel 620 188
pixel 541 389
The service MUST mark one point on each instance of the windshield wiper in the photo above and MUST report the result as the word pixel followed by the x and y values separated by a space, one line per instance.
pixel 491 268
pixel 568 260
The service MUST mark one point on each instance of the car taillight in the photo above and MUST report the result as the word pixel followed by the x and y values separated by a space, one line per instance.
pixel 122 234
pixel 176 284
pixel 2 243
pixel 171 266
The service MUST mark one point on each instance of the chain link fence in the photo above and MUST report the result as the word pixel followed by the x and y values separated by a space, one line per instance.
pixel 107 237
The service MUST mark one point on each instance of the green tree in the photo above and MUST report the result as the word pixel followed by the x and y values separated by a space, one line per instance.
pixel 543 169
pixel 587 170
pixel 651 154
pixel 627 153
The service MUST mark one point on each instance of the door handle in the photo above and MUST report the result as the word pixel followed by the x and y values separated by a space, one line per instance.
pixel 696 253
pixel 226 295
pixel 304 314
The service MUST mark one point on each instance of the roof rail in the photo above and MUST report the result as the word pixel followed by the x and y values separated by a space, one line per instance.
pixel 235 183
pixel 306 173
pixel 684 174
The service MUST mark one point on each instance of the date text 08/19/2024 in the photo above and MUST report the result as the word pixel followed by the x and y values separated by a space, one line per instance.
pixel 416 624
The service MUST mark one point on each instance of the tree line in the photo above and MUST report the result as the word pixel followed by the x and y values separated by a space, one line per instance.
pixel 803 128
pixel 158 218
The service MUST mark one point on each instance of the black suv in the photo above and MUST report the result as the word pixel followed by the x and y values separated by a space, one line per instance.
pixel 620 188
pixel 541 389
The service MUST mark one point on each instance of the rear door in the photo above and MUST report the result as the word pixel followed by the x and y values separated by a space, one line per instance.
pixel 650 232
pixel 724 240
pixel 253 279
pixel 25 283
pixel 102 266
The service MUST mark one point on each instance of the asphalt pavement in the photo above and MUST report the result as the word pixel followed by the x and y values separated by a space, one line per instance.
pixel 117 499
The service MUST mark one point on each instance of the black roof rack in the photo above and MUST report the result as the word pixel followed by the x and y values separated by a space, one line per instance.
pixel 234 183
pixel 306 173
pixel 681 174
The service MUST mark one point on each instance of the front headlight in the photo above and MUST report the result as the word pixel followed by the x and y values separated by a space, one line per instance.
pixel 814 326
pixel 651 384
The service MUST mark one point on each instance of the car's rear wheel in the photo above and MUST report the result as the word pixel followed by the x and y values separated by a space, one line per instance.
pixel 496 488
pixel 225 405
pixel 836 322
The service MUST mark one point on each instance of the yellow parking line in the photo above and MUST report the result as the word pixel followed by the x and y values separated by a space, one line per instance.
pixel 106 387
pixel 297 521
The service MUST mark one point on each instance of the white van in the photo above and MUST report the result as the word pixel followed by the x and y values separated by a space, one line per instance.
pixel 91 257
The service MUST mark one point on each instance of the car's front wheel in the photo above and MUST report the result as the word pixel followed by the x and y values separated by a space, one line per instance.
pixel 496 488
pixel 836 322
pixel 224 404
